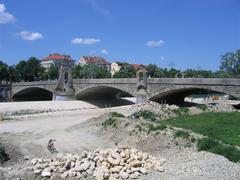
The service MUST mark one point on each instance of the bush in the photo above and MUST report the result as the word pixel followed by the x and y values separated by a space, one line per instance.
pixel 151 127
pixel 3 155
pixel 205 144
pixel 202 107
pixel 182 134
pixel 111 122
pixel 181 111
pixel 115 114
pixel 148 115
pixel 211 145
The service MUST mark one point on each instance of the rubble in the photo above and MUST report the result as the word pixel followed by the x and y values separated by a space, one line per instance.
pixel 110 163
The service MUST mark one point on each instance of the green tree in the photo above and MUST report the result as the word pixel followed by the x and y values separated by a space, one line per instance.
pixel 90 71
pixel 3 72
pixel 230 63
pixel 171 73
pixel 33 69
pixel 77 70
pixel 12 75
pixel 154 71
pixel 103 72
pixel 21 70
pixel 52 73
pixel 126 71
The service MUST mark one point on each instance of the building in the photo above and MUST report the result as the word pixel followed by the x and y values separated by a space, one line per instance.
pixel 99 61
pixel 56 59
pixel 115 67
pixel 137 66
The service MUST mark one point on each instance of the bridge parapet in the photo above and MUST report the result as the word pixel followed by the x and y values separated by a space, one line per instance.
pixel 105 81
pixel 195 81
pixel 34 83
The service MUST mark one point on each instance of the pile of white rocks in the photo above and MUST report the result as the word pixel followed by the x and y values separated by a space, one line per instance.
pixel 116 163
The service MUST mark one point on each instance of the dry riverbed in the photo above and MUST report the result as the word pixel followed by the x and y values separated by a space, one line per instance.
pixel 77 128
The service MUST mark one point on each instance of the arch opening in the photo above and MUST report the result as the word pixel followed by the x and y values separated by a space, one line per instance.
pixel 103 96
pixel 189 96
pixel 33 94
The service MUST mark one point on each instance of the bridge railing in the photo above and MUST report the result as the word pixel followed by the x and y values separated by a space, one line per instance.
pixel 194 81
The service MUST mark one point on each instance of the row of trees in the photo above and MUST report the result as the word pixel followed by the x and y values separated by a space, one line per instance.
pixel 31 70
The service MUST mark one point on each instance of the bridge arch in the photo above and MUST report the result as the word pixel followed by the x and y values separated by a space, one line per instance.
pixel 103 92
pixel 176 94
pixel 33 94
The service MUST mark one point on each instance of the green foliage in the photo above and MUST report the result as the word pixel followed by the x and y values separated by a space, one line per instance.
pixel 126 71
pixel 116 114
pixel 3 71
pixel 182 134
pixel 154 71
pixel 53 72
pixel 223 126
pixel 90 71
pixel 181 111
pixel 193 73
pixel 3 155
pixel 211 145
pixel 147 115
pixel 109 122
pixel 152 127
pixel 205 144
pixel 231 63
pixel 202 107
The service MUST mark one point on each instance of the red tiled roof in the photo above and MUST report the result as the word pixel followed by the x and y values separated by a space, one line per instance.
pixel 137 66
pixel 57 57
pixel 94 60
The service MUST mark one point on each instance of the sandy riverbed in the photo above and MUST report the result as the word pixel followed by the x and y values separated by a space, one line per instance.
pixel 74 128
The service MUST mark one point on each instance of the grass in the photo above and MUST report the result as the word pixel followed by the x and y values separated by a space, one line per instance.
pixel 110 122
pixel 181 111
pixel 3 155
pixel 202 107
pixel 147 115
pixel 211 145
pixel 116 114
pixel 182 134
pixel 151 127
pixel 224 127
pixel 222 131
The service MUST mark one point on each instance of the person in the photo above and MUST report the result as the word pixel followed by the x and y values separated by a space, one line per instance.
pixel 51 146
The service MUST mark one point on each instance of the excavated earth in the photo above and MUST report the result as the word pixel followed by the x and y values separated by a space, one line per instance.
pixel 25 137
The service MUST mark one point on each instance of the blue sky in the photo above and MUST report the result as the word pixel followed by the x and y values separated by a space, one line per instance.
pixel 184 33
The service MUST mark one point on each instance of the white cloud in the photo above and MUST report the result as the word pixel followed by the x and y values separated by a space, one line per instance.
pixel 2 8
pixel 5 17
pixel 105 51
pixel 162 58
pixel 153 43
pixel 86 41
pixel 30 36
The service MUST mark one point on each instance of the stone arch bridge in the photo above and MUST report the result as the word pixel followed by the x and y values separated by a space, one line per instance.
pixel 156 89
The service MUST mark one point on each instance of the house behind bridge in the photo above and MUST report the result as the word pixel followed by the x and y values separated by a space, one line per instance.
pixel 56 59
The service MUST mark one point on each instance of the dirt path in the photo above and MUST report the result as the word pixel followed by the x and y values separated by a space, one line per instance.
pixel 32 134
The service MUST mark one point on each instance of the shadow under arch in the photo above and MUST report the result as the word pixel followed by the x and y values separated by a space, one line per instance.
pixel 176 96
pixel 33 94
pixel 103 96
